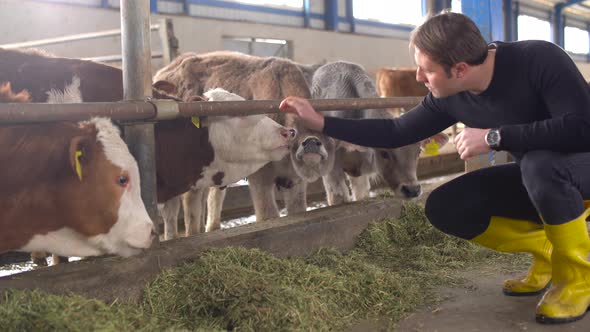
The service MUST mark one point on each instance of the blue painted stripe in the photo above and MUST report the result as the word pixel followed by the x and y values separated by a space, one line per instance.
pixel 233 20
pixel 243 6
pixel 384 25
pixel 221 4
pixel 572 2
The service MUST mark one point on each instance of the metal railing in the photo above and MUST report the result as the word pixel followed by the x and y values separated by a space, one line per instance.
pixel 132 111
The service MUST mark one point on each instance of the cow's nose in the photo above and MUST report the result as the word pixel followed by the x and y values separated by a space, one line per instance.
pixel 411 190
pixel 311 144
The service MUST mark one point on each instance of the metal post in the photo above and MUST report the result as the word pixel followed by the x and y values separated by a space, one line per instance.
pixel 426 7
pixel 137 82
pixel 558 24
pixel 350 15
pixel 433 7
pixel 331 15
pixel 186 7
pixel 508 19
pixel 515 13
pixel 306 14
pixel 168 40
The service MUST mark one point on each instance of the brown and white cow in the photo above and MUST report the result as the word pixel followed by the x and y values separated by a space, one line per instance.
pixel 311 155
pixel 221 152
pixel 228 150
pixel 69 188
pixel 397 167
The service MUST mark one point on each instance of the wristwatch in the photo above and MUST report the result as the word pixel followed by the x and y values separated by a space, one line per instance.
pixel 493 138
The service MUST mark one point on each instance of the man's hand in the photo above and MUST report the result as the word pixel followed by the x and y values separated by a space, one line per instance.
pixel 301 107
pixel 471 142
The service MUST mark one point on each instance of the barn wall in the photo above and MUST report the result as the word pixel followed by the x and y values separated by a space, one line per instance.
pixel 24 20
pixel 29 20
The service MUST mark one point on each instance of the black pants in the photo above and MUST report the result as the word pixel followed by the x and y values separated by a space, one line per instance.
pixel 542 183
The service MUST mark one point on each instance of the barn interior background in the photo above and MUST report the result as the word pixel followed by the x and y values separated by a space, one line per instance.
pixel 373 33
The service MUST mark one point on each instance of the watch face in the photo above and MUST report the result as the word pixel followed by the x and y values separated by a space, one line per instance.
pixel 492 138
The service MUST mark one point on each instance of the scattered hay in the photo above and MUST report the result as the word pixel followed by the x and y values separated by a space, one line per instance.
pixel 40 311
pixel 394 268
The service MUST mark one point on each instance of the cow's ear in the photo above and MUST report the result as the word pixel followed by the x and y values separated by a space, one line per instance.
pixel 165 86
pixel 79 149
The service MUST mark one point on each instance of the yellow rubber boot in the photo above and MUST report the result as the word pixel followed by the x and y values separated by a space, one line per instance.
pixel 569 297
pixel 513 235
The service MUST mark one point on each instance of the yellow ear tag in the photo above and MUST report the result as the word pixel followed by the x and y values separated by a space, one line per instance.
pixel 78 165
pixel 431 148
pixel 196 121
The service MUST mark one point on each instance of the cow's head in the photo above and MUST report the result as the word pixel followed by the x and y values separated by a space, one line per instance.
pixel 253 138
pixel 398 167
pixel 86 193
pixel 106 196
pixel 312 153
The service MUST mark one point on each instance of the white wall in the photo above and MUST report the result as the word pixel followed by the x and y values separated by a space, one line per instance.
pixel 24 20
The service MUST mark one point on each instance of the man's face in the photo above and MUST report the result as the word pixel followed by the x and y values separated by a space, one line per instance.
pixel 434 76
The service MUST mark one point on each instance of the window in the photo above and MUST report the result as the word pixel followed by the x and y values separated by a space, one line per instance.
pixel 389 11
pixel 533 28
pixel 576 40
pixel 288 3
pixel 456 6
pixel 258 46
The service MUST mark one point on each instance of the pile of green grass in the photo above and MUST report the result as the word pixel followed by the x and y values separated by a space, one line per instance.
pixel 393 270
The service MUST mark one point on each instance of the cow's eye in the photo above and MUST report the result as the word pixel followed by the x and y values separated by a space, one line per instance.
pixel 384 155
pixel 123 180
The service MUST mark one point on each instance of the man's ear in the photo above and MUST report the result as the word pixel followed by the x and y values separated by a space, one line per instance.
pixel 165 86
pixel 78 152
pixel 460 69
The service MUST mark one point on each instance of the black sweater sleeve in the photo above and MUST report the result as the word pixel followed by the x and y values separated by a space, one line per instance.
pixel 417 124
pixel 555 77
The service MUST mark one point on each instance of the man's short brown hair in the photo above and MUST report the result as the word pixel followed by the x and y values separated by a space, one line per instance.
pixel 449 38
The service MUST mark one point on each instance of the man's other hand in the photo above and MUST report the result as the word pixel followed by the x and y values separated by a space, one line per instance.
pixel 471 142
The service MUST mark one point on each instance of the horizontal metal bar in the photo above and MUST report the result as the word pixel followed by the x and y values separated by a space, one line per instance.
pixel 249 107
pixel 118 57
pixel 63 39
pixel 16 113
pixel 20 113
